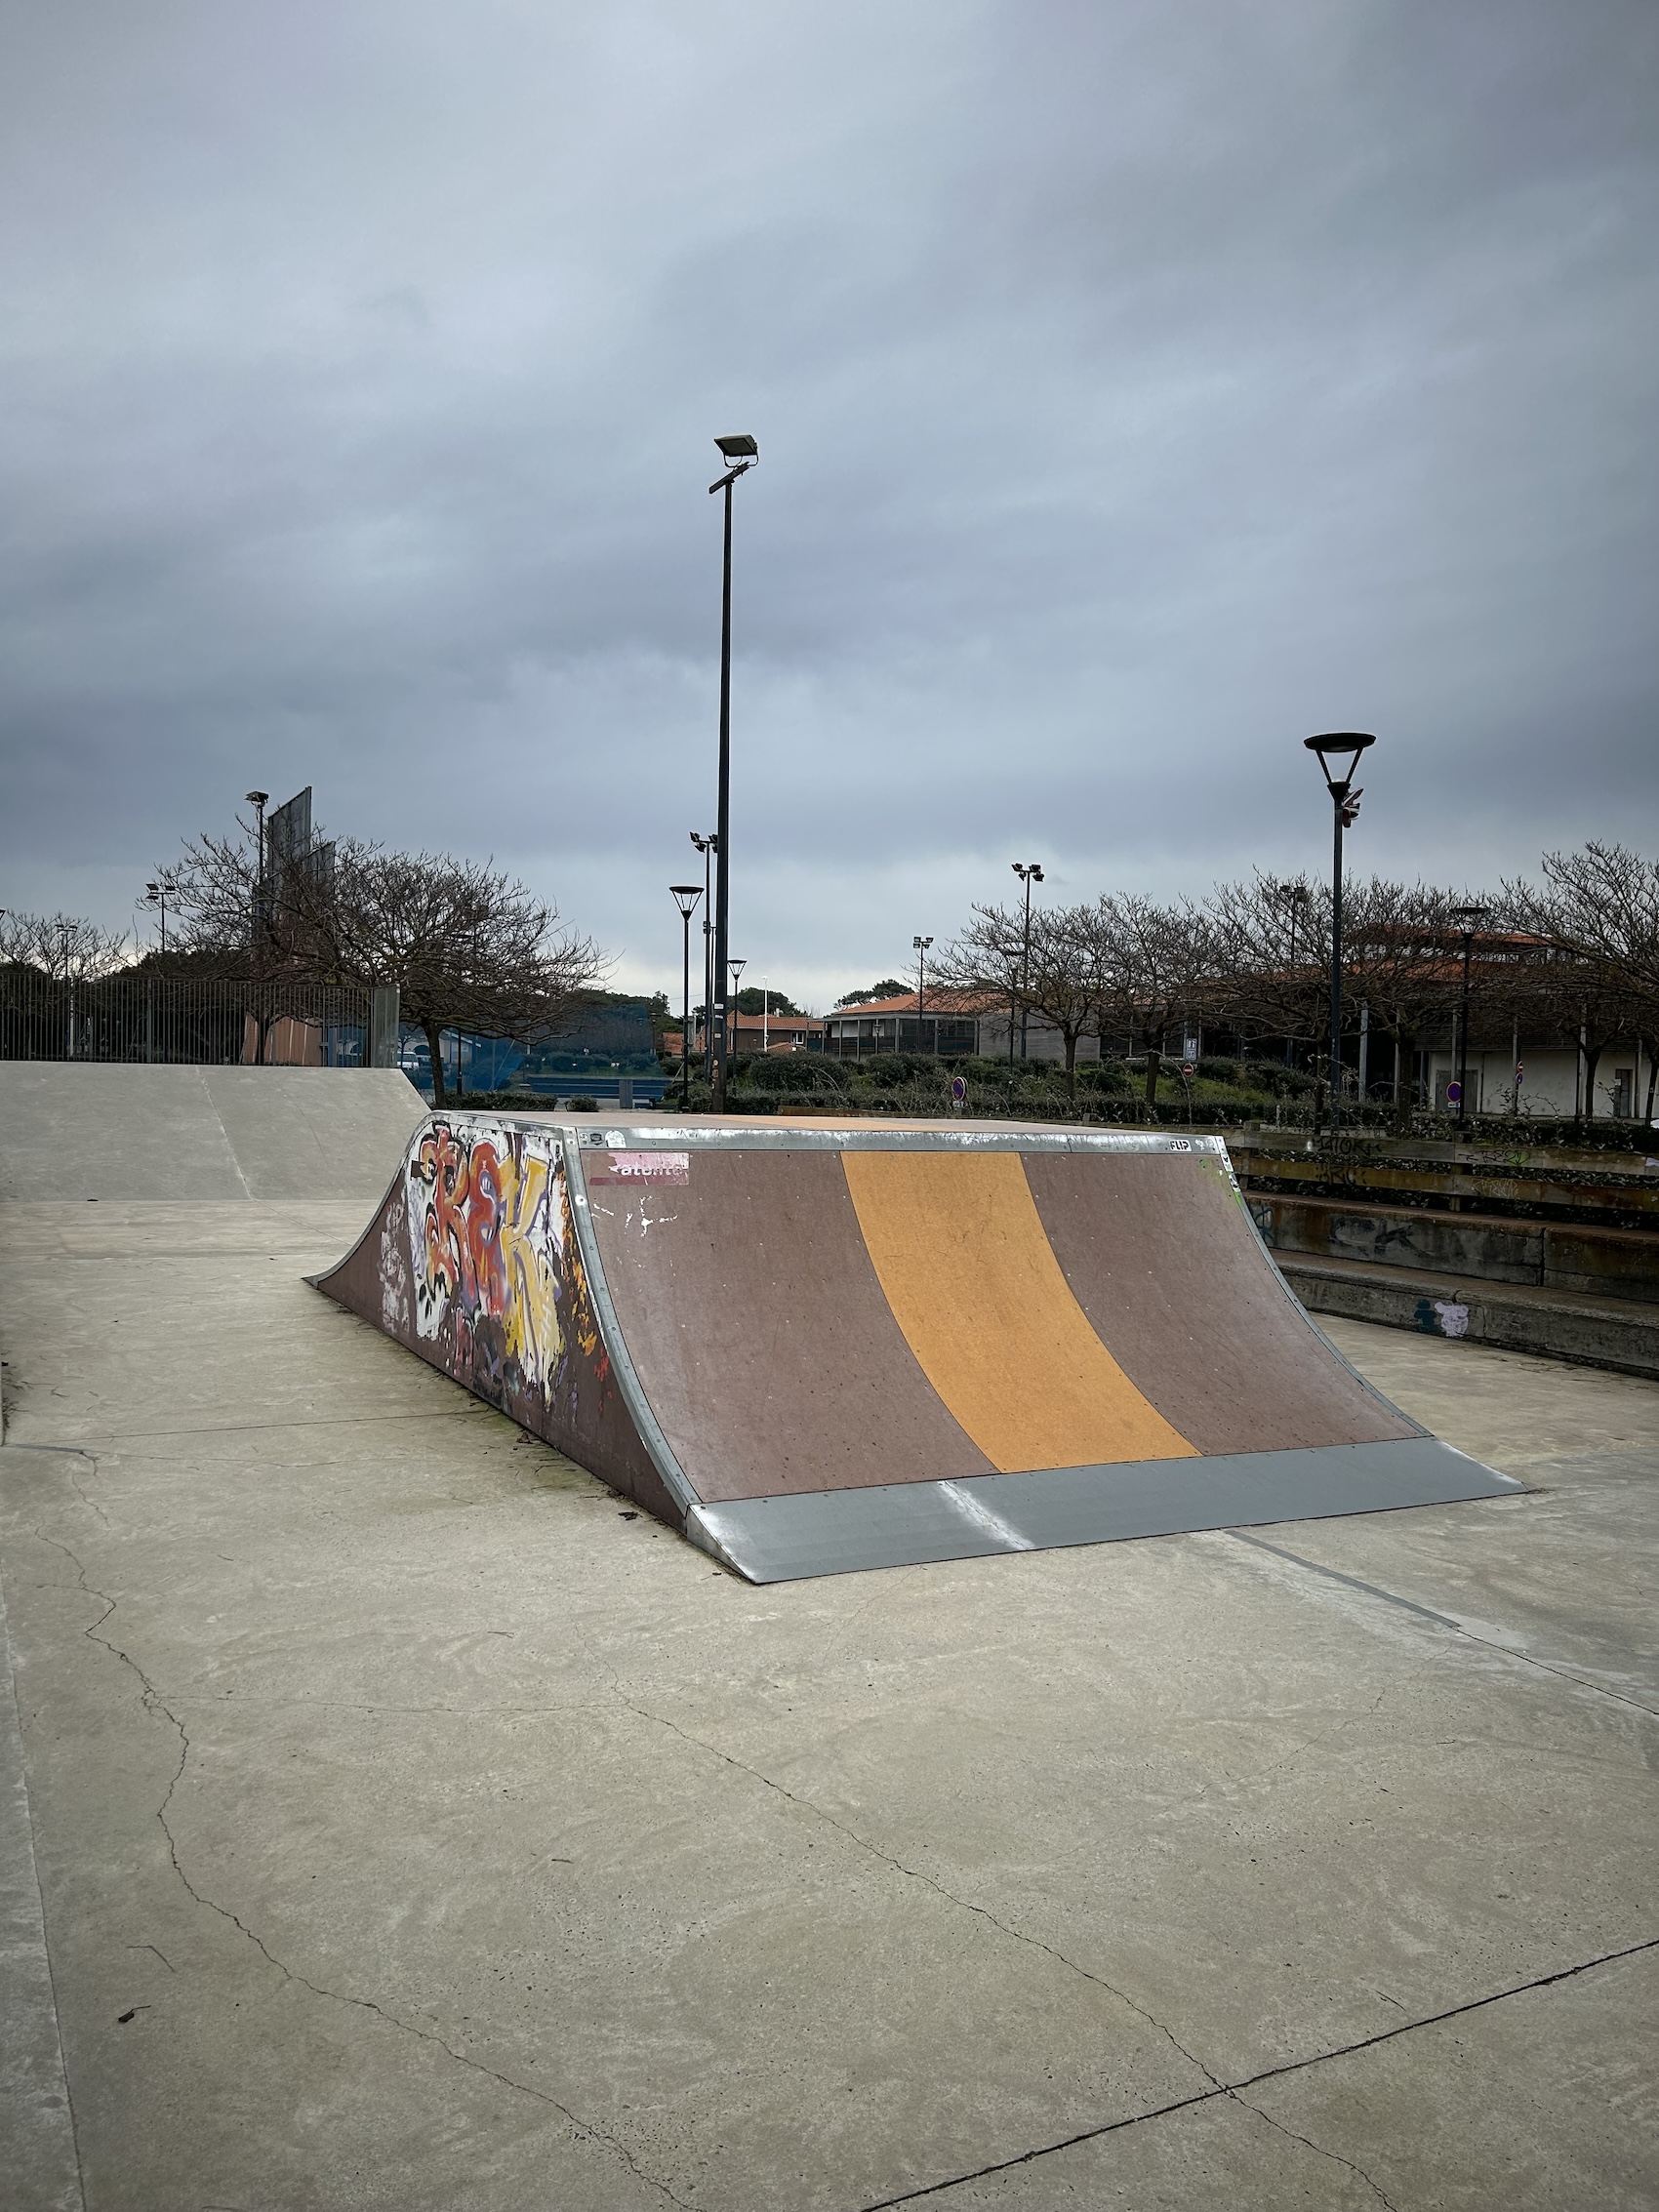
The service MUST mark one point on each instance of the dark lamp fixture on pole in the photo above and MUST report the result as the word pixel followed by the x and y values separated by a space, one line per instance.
pixel 686 896
pixel 1468 920
pixel 1338 753
pixel 708 847
pixel 743 453
pixel 1028 874
pixel 922 944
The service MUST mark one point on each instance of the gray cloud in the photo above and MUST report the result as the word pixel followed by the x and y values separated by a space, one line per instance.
pixel 1138 388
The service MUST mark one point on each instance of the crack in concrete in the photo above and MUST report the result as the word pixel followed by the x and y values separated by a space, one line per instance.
pixel 915 1873
pixel 1233 2089
pixel 1441 1619
pixel 1307 2144
pixel 153 1702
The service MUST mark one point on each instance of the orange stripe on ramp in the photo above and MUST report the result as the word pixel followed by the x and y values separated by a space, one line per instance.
pixel 961 1253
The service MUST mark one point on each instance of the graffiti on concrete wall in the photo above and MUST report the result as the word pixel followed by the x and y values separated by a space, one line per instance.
pixel 496 1281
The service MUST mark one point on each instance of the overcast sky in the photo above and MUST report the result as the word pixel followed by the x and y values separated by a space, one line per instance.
pixel 1139 387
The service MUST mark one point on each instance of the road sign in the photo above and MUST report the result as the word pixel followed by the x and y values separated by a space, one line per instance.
pixel 1188 1070
pixel 1454 1094
pixel 959 1091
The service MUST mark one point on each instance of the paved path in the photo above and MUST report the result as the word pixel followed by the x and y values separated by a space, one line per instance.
pixel 409 1825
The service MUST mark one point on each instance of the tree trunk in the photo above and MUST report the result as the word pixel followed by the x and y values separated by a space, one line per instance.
pixel 1153 1057
pixel 433 1037
pixel 1071 1065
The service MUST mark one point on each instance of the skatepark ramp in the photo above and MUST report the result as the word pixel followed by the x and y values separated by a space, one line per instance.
pixel 115 1130
pixel 814 1349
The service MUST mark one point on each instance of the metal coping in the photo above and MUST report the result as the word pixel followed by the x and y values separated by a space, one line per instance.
pixel 830 1532
pixel 660 1451
pixel 626 1137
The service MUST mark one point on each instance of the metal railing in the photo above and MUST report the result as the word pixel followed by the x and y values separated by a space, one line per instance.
pixel 180 1019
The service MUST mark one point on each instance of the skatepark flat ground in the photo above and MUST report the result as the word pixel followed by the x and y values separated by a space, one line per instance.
pixel 392 1819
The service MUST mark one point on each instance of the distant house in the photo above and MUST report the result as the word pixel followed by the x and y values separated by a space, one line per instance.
pixel 952 1024
pixel 757 1032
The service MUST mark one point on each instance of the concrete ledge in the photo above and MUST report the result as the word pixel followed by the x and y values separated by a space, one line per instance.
pixel 1593 1332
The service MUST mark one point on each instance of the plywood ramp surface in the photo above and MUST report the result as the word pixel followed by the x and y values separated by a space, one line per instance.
pixel 1159 1254
pixel 760 1336
pixel 967 1264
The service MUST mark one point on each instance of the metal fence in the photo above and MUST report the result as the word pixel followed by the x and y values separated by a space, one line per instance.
pixel 189 1019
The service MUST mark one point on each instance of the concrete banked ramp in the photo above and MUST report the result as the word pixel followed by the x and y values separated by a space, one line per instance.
pixel 816 1347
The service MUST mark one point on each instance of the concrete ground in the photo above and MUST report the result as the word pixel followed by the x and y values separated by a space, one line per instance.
pixel 400 1822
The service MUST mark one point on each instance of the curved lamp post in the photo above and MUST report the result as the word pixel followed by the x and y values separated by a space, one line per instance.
pixel 1338 753
pixel 1468 920
pixel 1028 874
pixel 743 453
pixel 686 896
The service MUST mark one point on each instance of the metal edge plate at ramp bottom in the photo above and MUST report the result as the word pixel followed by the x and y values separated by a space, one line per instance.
pixel 906 1524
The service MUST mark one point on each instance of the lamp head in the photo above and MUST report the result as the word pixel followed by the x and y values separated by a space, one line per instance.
pixel 921 943
pixel 686 896
pixel 741 447
pixel 1339 753
pixel 152 892
pixel 1470 918
pixel 259 798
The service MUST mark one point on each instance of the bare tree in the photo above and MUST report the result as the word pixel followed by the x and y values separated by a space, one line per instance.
pixel 468 947
pixel 1153 965
pixel 1271 952
pixel 66 948
pixel 1599 910
pixel 1061 982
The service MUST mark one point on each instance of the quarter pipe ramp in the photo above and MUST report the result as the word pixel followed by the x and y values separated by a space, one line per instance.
pixel 815 1348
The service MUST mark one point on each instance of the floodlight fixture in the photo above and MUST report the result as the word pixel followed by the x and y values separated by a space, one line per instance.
pixel 741 447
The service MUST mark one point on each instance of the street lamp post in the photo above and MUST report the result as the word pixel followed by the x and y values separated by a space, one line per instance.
pixel 260 800
pixel 708 847
pixel 1293 898
pixel 922 944
pixel 730 1017
pixel 686 896
pixel 1468 920
pixel 743 453
pixel 1028 874
pixel 1338 753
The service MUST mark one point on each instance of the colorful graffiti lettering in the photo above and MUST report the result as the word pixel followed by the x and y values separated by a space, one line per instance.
pixel 492 1252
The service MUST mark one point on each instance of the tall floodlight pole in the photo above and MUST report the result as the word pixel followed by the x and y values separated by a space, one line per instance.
pixel 743 453
pixel 1468 920
pixel 922 944
pixel 686 896
pixel 261 800
pixel 1338 753
pixel 1028 874
pixel 708 846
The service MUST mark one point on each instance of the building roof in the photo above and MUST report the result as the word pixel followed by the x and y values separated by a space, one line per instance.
pixel 940 1002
